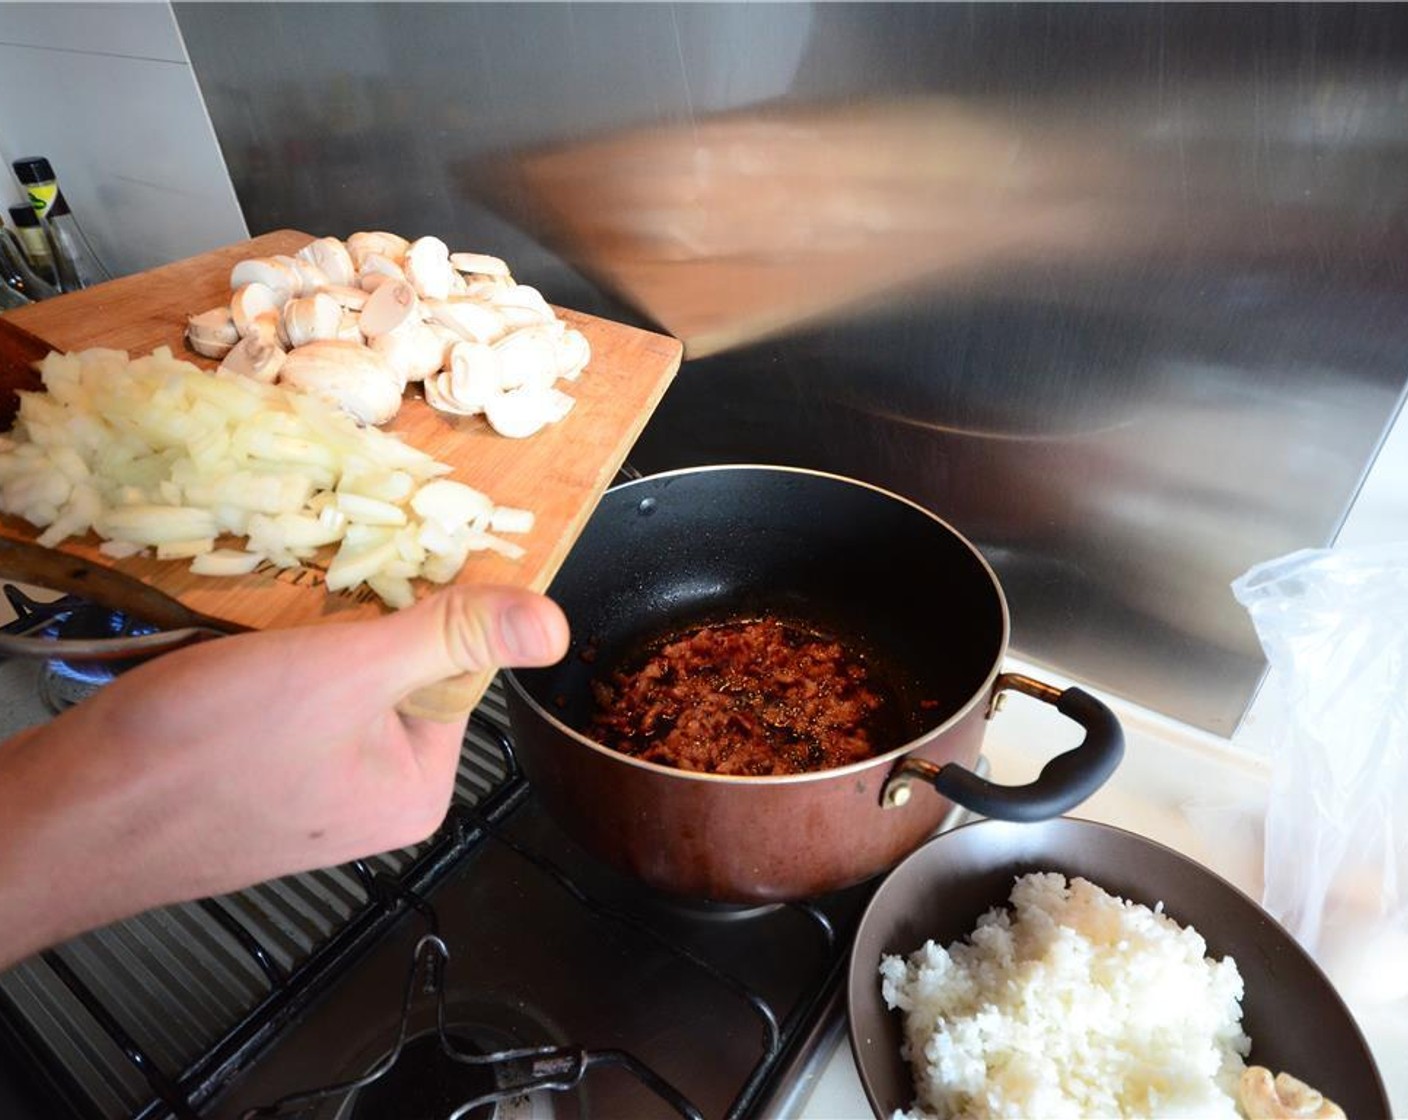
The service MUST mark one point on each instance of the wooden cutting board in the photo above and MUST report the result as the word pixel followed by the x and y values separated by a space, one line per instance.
pixel 559 474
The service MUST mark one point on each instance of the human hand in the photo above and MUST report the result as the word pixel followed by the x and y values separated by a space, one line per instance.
pixel 245 758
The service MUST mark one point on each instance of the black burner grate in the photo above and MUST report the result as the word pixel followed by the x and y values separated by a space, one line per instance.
pixel 228 1005
pixel 146 1017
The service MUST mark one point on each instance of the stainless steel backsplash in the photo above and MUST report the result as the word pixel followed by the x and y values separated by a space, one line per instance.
pixel 1118 290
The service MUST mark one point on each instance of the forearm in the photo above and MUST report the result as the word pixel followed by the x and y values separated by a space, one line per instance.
pixel 37 891
pixel 72 845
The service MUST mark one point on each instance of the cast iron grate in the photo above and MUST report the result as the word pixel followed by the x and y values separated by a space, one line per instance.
pixel 199 988
pixel 154 1016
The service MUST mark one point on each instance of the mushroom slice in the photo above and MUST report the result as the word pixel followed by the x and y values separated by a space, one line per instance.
pixel 254 357
pixel 391 307
pixel 475 375
pixel 354 299
pixel 212 333
pixel 377 265
pixel 299 283
pixel 573 354
pixel 427 267
pixel 374 280
pixel 311 318
pixel 349 329
pixel 251 301
pixel 479 264
pixel 364 243
pixel 331 256
pixel 470 319
pixel 312 279
pixel 528 356
pixel 278 278
pixel 414 351
pixel 448 341
pixel 346 374
pixel 524 296
pixel 437 395
pixel 523 412
pixel 208 347
pixel 482 290
pixel 1282 1098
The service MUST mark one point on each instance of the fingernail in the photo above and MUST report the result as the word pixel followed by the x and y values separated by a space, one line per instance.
pixel 522 635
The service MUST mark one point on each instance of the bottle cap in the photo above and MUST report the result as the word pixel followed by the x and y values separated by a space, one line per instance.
pixel 24 217
pixel 33 169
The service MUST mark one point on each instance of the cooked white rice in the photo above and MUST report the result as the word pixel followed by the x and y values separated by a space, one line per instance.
pixel 1073 1003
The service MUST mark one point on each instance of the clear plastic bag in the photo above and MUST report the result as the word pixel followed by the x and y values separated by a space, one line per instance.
pixel 1334 626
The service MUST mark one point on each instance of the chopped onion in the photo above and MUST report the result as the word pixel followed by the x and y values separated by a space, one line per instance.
pixel 154 453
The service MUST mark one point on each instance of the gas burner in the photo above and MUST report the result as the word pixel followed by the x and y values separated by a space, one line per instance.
pixel 428 1082
pixel 63 684
pixel 454 1072
pixel 84 646
pixel 425 1083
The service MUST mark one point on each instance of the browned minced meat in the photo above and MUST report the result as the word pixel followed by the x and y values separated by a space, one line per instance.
pixel 749 698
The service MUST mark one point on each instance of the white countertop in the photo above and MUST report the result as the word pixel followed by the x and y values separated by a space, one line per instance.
pixel 1182 787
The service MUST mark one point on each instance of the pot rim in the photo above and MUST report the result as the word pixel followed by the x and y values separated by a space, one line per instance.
pixel 980 695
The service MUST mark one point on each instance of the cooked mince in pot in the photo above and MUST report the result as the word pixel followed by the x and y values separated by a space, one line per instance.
pixel 748 698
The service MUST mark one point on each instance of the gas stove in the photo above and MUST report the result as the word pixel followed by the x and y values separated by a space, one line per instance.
pixel 495 971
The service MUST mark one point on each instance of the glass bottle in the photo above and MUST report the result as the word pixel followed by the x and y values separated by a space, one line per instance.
pixel 16 270
pixel 36 246
pixel 75 261
pixel 10 299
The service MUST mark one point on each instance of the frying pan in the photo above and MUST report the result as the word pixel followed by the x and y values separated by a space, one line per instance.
pixel 1294 1017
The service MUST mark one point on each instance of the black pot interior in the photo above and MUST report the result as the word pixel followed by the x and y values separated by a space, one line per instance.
pixel 673 551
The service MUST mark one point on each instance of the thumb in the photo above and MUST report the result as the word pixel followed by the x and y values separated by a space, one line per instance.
pixel 469 629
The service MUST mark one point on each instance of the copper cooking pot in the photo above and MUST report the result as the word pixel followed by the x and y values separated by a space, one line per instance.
pixel 877 571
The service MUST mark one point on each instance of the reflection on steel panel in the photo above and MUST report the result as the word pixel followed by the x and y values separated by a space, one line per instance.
pixel 1118 290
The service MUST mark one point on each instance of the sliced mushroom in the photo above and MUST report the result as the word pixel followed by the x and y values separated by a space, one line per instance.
pixel 350 328
pixel 475 375
pixel 523 296
pixel 354 299
pixel 523 412
pixel 212 333
pixel 364 243
pixel 414 351
pixel 427 267
pixel 528 356
pixel 256 358
pixel 311 318
pixel 376 265
pixel 448 341
pixel 390 308
pixel 207 347
pixel 483 288
pixel 279 279
pixel 479 264
pixel 437 395
pixel 573 354
pixel 471 319
pixel 1283 1098
pixel 331 256
pixel 312 279
pixel 251 301
pixel 354 378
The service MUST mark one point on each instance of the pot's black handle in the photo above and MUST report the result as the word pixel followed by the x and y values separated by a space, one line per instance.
pixel 1064 782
